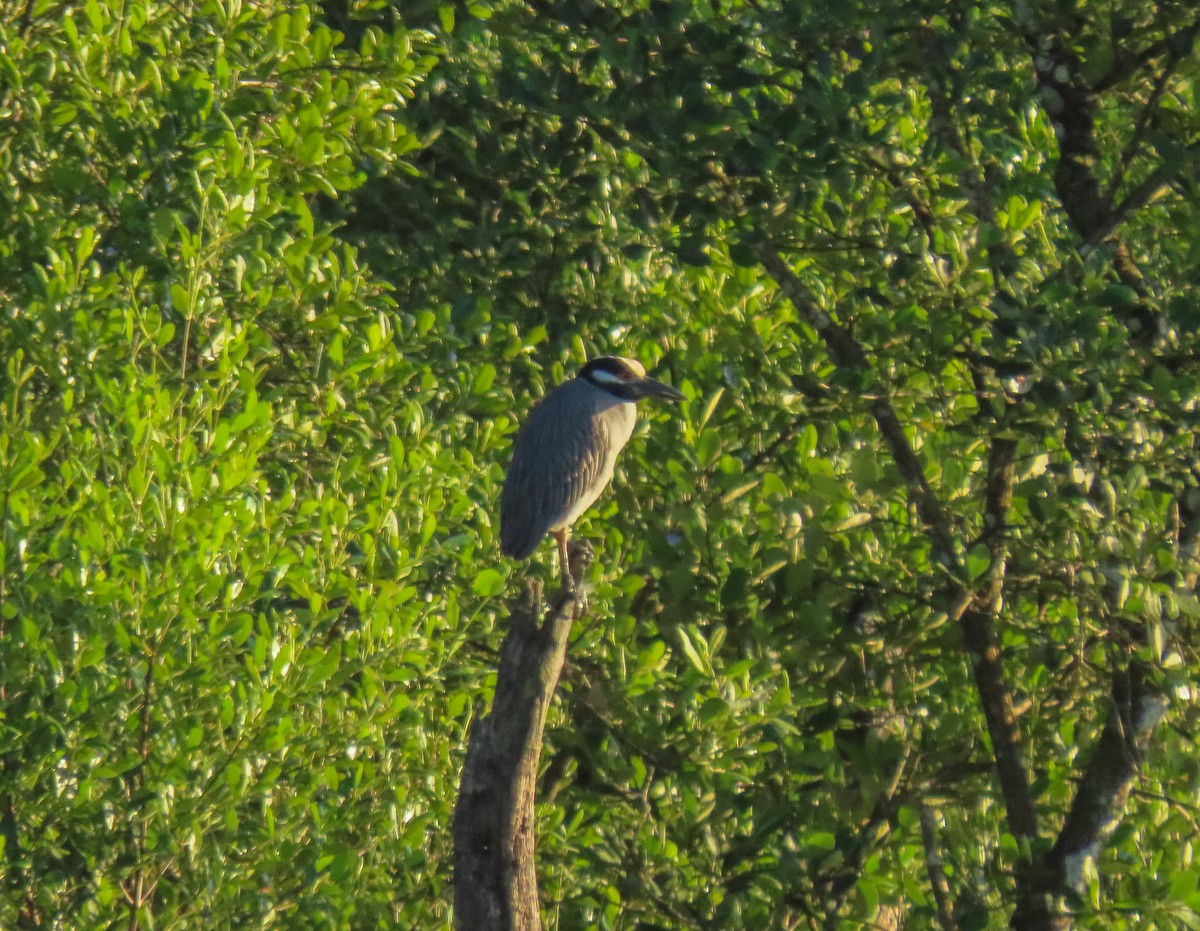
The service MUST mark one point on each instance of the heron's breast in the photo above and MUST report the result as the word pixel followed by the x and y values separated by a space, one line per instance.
pixel 618 420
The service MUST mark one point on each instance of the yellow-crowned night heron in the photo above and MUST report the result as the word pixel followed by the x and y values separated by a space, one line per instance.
pixel 564 454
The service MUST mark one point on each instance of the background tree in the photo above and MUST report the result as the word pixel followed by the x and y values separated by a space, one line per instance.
pixel 912 263
pixel 895 617
pixel 206 600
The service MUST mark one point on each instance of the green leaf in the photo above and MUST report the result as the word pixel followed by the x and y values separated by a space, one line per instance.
pixel 1183 885
pixel 488 583
pixel 485 375
pixel 180 299
pixel 690 651
pixel 979 560
pixel 712 709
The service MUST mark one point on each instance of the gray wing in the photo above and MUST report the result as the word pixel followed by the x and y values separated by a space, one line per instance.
pixel 558 459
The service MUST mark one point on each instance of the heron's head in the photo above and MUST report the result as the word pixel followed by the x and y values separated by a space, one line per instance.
pixel 626 379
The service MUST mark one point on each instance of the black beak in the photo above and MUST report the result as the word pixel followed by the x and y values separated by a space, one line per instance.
pixel 649 388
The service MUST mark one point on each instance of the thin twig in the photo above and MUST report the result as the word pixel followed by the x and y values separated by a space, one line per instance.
pixel 1129 152
pixel 935 867
pixel 1128 65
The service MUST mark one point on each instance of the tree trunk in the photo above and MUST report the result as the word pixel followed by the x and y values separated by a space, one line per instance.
pixel 495 879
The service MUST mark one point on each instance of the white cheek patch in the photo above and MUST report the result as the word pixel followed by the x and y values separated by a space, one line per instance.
pixel 605 377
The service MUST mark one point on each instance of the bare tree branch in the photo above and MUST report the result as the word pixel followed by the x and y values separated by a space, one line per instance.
pixel 1126 66
pixel 1137 706
pixel 997 500
pixel 1134 144
pixel 1071 102
pixel 848 353
pixel 1100 799
pixel 935 868
pixel 1143 194
pixel 495 876
pixel 973 613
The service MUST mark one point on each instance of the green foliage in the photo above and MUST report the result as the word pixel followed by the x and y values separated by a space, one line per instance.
pixel 279 280
pixel 212 635
pixel 773 686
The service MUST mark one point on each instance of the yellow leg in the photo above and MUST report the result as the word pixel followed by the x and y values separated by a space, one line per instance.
pixel 564 558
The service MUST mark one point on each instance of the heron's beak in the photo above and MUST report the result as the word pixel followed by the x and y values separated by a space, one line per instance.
pixel 649 388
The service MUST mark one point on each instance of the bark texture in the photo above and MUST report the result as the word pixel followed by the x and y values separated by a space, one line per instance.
pixel 495 876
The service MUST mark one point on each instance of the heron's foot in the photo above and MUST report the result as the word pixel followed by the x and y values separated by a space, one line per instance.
pixel 582 552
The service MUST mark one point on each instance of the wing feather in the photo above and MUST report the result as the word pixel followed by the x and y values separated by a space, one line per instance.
pixel 558 469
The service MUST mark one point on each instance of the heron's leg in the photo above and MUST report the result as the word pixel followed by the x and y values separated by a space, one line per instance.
pixel 564 558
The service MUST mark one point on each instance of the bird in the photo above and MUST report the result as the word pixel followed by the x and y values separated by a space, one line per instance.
pixel 564 453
